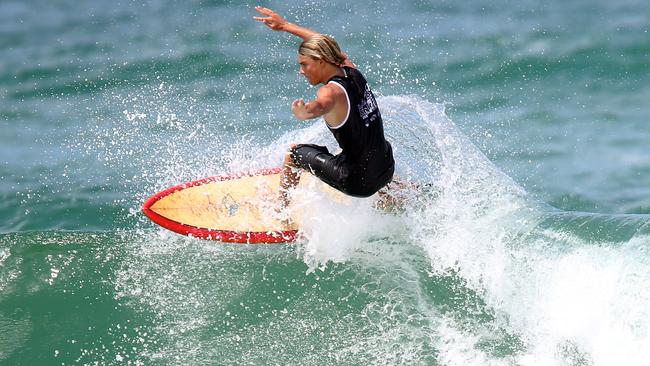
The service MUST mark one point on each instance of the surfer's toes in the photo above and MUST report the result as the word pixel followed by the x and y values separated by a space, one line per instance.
pixel 287 223
pixel 283 215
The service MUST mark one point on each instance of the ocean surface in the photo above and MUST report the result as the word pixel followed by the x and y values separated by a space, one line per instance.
pixel 526 121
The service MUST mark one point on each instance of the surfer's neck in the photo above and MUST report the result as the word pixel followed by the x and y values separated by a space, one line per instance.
pixel 332 71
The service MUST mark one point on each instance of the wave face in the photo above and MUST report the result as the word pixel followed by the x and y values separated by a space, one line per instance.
pixel 470 270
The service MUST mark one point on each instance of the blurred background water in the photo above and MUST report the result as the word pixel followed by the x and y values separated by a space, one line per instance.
pixel 528 118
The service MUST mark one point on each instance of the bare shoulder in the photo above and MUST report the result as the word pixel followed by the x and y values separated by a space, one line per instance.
pixel 329 90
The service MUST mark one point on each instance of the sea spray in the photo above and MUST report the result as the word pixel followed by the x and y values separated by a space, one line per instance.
pixel 470 269
pixel 570 297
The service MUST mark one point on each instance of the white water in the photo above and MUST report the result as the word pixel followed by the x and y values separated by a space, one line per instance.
pixel 551 295
pixel 569 301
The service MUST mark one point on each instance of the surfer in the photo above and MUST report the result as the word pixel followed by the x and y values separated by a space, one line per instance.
pixel 348 106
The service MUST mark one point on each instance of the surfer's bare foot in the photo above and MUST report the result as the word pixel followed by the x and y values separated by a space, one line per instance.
pixel 283 200
pixel 283 215
pixel 281 208
pixel 392 197
pixel 287 223
pixel 386 201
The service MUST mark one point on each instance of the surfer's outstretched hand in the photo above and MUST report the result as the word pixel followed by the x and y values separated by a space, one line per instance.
pixel 271 19
pixel 274 21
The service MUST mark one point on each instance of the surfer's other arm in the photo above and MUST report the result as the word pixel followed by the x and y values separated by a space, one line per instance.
pixel 323 105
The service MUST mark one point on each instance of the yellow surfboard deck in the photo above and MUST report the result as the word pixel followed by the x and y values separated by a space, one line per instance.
pixel 239 208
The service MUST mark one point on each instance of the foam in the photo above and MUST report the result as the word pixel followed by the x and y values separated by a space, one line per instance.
pixel 562 292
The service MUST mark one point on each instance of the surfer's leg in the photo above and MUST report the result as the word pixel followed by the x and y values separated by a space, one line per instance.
pixel 290 177
pixel 315 159
pixel 391 197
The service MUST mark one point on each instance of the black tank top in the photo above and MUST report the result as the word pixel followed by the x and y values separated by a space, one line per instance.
pixel 368 155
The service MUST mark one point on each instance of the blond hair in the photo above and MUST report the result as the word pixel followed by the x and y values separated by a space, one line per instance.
pixel 322 47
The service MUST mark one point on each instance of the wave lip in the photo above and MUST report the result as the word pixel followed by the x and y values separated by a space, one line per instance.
pixel 572 286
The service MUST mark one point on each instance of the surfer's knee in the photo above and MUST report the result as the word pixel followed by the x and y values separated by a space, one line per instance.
pixel 288 156
pixel 288 159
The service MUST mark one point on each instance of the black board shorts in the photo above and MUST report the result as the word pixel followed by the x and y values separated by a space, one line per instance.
pixel 333 169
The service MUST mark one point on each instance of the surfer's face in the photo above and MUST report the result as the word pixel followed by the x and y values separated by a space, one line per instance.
pixel 311 68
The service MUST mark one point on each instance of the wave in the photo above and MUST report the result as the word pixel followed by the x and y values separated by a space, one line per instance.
pixel 471 270
pixel 569 284
pixel 567 287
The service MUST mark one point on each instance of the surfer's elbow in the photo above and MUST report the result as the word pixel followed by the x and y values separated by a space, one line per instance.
pixel 314 110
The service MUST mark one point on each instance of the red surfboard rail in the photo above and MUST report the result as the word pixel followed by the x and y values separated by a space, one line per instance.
pixel 266 237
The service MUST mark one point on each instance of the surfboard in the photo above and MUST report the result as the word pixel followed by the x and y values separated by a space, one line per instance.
pixel 232 208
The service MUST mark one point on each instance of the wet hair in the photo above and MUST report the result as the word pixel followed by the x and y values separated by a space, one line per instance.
pixel 322 47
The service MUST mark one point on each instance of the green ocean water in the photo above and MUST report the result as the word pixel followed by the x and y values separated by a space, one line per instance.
pixel 527 120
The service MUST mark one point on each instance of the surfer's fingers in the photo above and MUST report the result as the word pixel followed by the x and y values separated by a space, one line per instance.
pixel 264 11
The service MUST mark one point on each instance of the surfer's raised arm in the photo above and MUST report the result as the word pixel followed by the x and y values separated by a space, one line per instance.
pixel 275 22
